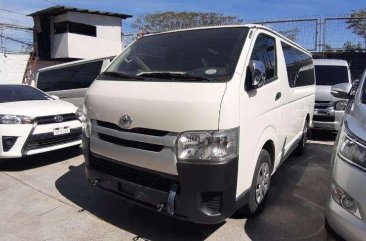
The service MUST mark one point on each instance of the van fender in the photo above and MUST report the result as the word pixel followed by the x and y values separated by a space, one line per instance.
pixel 268 134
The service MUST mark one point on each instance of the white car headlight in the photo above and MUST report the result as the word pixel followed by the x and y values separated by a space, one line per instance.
pixel 351 149
pixel 15 119
pixel 208 145
pixel 341 105
pixel 79 114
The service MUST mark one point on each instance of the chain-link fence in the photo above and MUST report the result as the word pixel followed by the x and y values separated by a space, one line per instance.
pixel 302 31
pixel 15 39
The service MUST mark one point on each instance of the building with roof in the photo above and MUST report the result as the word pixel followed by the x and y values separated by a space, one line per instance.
pixel 64 33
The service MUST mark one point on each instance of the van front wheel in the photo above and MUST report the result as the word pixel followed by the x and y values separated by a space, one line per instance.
pixel 260 185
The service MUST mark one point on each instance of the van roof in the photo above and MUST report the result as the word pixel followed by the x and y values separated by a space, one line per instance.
pixel 76 62
pixel 251 26
pixel 336 62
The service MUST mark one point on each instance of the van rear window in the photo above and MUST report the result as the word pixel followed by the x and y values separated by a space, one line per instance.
pixel 331 75
pixel 210 54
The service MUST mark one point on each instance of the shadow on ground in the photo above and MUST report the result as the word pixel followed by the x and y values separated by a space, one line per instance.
pixel 34 161
pixel 297 199
pixel 145 224
pixel 294 211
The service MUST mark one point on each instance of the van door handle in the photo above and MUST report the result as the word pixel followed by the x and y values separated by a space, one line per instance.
pixel 278 96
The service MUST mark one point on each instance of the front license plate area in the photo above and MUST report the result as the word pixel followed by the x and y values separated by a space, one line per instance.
pixel 61 131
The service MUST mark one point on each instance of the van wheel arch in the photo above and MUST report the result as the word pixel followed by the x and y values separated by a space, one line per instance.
pixel 270 148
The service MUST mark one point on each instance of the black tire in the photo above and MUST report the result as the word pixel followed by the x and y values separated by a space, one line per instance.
pixel 300 149
pixel 253 207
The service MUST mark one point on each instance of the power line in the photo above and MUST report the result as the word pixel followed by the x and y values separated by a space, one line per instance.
pixel 11 11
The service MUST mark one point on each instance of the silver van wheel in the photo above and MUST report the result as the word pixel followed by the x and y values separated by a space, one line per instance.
pixel 262 184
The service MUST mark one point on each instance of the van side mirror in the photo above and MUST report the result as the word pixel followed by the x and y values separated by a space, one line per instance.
pixel 257 71
pixel 342 90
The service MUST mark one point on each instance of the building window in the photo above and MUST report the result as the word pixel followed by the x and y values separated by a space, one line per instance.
pixel 76 28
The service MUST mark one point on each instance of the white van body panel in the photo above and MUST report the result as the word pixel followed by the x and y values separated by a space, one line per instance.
pixel 169 106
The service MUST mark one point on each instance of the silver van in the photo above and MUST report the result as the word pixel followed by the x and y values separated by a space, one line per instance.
pixel 346 208
pixel 329 110
pixel 70 81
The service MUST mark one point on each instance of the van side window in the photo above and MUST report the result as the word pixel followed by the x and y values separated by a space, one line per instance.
pixel 70 77
pixel 299 65
pixel 265 51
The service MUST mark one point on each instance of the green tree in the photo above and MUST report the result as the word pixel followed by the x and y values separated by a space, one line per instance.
pixel 351 47
pixel 357 23
pixel 291 33
pixel 163 21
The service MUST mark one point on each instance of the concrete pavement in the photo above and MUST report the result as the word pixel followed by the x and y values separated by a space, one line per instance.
pixel 47 197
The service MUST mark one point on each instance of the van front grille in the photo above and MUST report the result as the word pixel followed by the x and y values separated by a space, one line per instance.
pixel 133 175
pixel 323 104
pixel 323 118
pixel 143 131
pixel 131 144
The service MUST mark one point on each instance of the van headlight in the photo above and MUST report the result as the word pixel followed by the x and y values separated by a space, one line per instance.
pixel 208 145
pixel 351 149
pixel 341 105
pixel 86 123
pixel 15 119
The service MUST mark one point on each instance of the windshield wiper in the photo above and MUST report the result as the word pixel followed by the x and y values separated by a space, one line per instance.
pixel 173 75
pixel 118 75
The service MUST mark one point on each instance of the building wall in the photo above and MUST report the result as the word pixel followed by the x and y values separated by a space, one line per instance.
pixel 68 45
pixel 12 68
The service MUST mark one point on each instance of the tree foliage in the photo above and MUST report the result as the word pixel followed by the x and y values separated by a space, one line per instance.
pixel 357 23
pixel 291 33
pixel 163 21
pixel 352 47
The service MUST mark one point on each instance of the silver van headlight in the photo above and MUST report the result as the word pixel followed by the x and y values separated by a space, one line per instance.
pixel 351 149
pixel 208 145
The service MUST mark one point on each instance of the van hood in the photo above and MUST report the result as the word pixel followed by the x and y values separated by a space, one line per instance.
pixel 37 108
pixel 322 93
pixel 168 106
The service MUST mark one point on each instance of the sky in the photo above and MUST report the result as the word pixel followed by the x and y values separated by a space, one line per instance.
pixel 248 10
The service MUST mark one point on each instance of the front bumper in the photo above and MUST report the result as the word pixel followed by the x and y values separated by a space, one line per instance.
pixel 206 193
pixel 328 119
pixel 34 139
pixel 352 180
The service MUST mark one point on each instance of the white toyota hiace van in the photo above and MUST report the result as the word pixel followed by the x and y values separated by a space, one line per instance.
pixel 193 123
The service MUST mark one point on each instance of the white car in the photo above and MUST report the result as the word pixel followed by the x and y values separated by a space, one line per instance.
pixel 33 122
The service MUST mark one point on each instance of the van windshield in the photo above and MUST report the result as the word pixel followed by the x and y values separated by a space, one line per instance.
pixel 331 75
pixel 192 55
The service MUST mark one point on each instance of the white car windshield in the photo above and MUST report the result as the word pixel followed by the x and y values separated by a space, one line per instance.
pixel 13 93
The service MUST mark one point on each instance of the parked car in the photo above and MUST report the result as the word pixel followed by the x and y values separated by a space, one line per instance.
pixel 346 209
pixel 33 122
pixel 70 81
pixel 193 123
pixel 329 110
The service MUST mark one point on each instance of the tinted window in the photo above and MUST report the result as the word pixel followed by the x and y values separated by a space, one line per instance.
pixel 209 53
pixel 331 75
pixel 12 93
pixel 265 51
pixel 299 65
pixel 71 77
pixel 77 28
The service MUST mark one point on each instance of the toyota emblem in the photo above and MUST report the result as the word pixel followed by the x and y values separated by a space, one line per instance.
pixel 125 121
pixel 58 118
